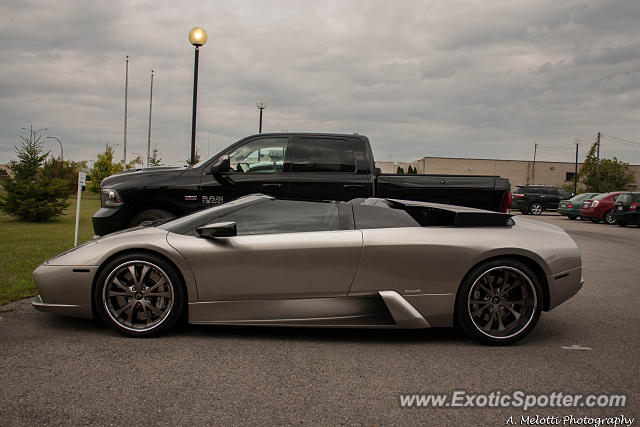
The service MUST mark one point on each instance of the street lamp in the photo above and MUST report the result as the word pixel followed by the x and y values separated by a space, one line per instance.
pixel 61 149
pixel 197 37
pixel 261 106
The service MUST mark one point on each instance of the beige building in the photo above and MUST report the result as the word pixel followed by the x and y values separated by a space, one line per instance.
pixel 519 172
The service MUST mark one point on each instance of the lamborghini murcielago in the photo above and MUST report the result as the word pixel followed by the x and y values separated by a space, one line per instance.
pixel 366 263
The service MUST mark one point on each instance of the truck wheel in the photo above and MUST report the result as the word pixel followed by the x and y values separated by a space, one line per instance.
pixel 150 215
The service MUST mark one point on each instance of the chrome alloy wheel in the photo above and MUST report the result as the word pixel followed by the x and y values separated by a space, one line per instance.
pixel 535 208
pixel 502 302
pixel 609 217
pixel 138 296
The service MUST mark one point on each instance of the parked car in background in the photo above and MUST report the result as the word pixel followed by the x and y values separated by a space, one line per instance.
pixel 533 199
pixel 600 208
pixel 627 209
pixel 571 207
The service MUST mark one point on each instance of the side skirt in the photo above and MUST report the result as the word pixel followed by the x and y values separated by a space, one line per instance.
pixel 387 309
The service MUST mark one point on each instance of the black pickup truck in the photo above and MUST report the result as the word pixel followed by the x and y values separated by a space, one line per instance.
pixel 286 165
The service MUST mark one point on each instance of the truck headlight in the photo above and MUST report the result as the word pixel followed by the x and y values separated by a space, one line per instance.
pixel 110 198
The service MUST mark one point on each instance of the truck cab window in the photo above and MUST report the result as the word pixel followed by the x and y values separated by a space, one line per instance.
pixel 323 155
pixel 265 155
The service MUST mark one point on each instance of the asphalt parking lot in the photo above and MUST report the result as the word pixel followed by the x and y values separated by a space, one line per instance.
pixel 69 371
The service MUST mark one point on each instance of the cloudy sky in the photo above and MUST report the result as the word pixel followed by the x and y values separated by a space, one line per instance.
pixel 450 78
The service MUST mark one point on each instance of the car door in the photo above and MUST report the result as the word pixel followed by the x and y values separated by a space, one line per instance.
pixel 260 165
pixel 552 198
pixel 324 168
pixel 284 249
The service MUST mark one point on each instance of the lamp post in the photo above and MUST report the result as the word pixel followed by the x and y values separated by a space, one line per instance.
pixel 197 37
pixel 261 106
pixel 61 150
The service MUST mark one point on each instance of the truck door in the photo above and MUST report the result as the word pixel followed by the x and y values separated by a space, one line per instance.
pixel 261 165
pixel 324 168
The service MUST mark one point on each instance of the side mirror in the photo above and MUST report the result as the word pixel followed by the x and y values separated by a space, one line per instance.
pixel 218 229
pixel 221 166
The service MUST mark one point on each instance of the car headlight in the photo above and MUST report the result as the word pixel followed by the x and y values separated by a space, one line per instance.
pixel 110 198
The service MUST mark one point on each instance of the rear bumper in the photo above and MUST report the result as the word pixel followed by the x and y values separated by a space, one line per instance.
pixel 627 217
pixel 564 285
pixel 108 220
pixel 569 211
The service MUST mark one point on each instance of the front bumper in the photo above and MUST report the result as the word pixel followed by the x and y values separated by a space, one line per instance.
pixel 64 290
pixel 108 220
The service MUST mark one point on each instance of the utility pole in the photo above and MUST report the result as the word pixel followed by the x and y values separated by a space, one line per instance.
pixel 598 162
pixel 149 133
pixel 575 175
pixel 126 90
pixel 533 170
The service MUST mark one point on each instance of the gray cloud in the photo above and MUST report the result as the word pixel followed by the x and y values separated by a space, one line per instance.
pixel 450 78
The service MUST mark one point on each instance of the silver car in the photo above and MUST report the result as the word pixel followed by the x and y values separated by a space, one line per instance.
pixel 367 263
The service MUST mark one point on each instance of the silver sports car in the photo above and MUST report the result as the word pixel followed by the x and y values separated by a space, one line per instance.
pixel 367 263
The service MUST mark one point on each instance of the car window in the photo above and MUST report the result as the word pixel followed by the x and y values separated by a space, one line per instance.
pixel 264 155
pixel 564 194
pixel 323 155
pixel 519 189
pixel 624 198
pixel 534 190
pixel 285 216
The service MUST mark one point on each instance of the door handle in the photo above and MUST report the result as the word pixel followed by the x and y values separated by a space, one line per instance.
pixel 352 186
pixel 271 185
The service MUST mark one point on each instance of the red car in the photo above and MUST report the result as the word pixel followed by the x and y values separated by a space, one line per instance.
pixel 600 208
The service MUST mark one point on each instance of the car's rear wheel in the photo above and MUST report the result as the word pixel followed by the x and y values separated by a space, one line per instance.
pixel 572 217
pixel 499 302
pixel 150 215
pixel 535 208
pixel 139 295
pixel 609 217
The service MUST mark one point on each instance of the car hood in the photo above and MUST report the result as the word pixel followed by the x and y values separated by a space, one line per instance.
pixel 131 174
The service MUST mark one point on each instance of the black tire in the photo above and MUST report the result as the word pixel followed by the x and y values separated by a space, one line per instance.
pixel 150 215
pixel 159 298
pixel 535 208
pixel 524 284
pixel 572 217
pixel 609 217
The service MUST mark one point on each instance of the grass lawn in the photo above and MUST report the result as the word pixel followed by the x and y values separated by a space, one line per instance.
pixel 25 245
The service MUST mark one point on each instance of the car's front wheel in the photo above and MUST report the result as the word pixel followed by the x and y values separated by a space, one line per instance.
pixel 535 208
pixel 610 217
pixel 499 302
pixel 139 294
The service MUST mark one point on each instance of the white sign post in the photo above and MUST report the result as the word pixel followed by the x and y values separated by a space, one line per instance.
pixel 82 181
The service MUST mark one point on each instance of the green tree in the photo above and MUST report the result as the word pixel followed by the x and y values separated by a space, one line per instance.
pixel 63 169
pixel 400 170
pixel 102 168
pixel 614 174
pixel 155 159
pixel 30 195
pixel 3 174
pixel 197 159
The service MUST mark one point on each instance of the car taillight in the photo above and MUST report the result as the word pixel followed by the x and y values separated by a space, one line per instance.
pixel 570 205
pixel 505 205
pixel 633 206
pixel 518 196
pixel 595 203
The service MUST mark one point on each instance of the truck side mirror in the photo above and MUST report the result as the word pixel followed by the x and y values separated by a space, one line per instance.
pixel 218 229
pixel 221 166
